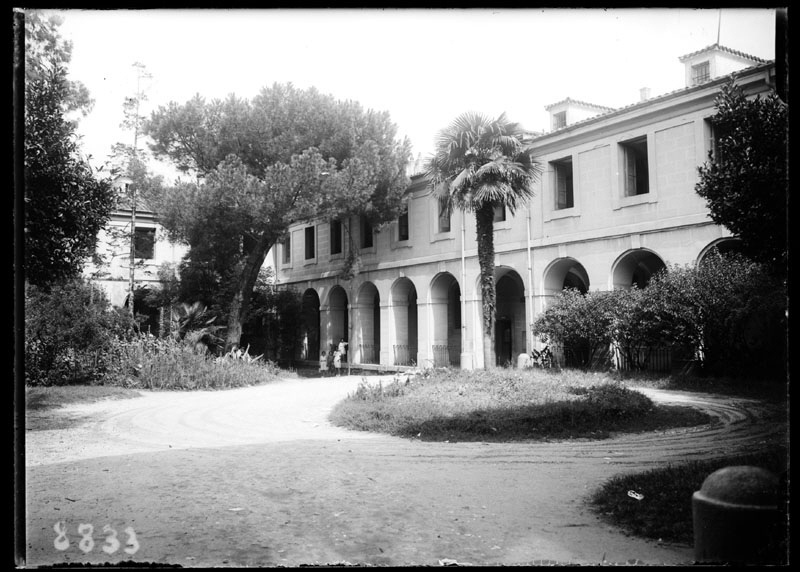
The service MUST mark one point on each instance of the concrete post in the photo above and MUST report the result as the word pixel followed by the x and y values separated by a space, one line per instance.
pixel 736 517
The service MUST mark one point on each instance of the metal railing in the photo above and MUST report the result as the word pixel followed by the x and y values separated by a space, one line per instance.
pixel 369 353
pixel 446 355
pixel 658 358
pixel 405 354
pixel 441 355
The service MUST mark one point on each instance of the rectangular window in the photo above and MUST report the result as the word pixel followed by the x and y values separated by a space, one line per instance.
pixel 563 184
pixel 499 213
pixel 715 133
pixel 366 233
pixel 635 165
pixel 444 219
pixel 144 242
pixel 310 244
pixel 701 73
pixel 287 249
pixel 402 226
pixel 336 237
pixel 559 120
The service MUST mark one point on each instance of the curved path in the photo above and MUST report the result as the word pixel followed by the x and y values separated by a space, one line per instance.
pixel 257 477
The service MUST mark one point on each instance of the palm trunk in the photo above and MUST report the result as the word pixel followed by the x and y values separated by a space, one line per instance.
pixel 240 305
pixel 484 222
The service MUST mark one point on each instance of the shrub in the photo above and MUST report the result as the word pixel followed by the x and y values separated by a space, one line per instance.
pixel 581 324
pixel 148 362
pixel 70 334
pixel 729 310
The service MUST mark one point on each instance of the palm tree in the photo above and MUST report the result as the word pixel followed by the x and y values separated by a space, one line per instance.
pixel 480 164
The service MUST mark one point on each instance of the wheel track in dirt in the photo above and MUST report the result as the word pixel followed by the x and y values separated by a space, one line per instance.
pixel 310 492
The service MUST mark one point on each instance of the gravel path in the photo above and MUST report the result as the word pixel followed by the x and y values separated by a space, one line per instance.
pixel 258 477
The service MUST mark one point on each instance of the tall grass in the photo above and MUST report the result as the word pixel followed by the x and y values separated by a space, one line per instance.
pixel 504 404
pixel 153 363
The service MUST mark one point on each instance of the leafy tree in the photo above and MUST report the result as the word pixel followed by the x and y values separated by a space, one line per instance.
pixel 580 323
pixel 45 51
pixel 287 156
pixel 65 206
pixel 745 179
pixel 480 164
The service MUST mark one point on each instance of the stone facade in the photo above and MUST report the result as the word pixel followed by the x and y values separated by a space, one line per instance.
pixel 615 204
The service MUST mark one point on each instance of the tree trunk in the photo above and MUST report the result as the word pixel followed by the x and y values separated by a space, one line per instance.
pixel 240 305
pixel 484 222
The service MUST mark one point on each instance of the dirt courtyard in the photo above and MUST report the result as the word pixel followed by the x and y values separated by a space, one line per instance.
pixel 258 477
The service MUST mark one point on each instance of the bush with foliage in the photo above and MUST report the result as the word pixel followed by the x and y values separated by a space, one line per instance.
pixel 729 310
pixel 636 327
pixel 581 324
pixel 71 332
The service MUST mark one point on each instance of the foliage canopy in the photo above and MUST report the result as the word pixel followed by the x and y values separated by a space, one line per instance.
pixel 745 181
pixel 65 206
pixel 287 156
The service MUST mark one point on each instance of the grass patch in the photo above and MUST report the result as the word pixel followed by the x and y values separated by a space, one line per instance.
pixel 40 398
pixel 665 512
pixel 41 401
pixel 506 405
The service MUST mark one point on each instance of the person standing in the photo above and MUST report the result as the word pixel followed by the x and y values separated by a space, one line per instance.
pixel 323 364
pixel 337 361
pixel 343 348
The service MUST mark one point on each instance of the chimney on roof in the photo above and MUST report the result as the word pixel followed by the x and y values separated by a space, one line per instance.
pixel 644 93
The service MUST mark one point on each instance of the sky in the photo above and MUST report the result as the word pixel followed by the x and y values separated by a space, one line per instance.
pixel 425 67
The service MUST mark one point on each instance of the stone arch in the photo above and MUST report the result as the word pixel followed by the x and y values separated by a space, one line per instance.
pixel 311 325
pixel 721 245
pixel 637 267
pixel 565 273
pixel 445 305
pixel 403 299
pixel 510 319
pixel 338 318
pixel 367 326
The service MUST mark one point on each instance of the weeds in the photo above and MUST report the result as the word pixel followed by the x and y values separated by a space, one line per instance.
pixel 504 404
pixel 154 363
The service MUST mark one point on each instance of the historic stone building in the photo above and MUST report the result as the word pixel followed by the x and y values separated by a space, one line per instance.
pixel 615 204
pixel 151 250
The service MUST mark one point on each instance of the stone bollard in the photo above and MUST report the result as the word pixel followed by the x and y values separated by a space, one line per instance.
pixel 736 517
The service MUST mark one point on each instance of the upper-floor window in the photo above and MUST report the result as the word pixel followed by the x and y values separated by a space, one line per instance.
pixel 287 249
pixel 701 73
pixel 444 218
pixel 715 133
pixel 559 120
pixel 144 242
pixel 635 166
pixel 565 198
pixel 336 237
pixel 402 226
pixel 499 213
pixel 310 243
pixel 366 233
